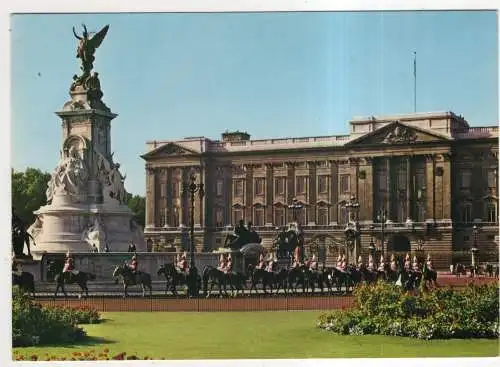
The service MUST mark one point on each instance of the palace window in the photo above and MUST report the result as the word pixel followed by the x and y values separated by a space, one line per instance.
pixel 163 219
pixel 322 215
pixel 258 216
pixel 300 215
pixel 259 186
pixel 323 184
pixel 491 213
pixel 175 214
pixel 163 190
pixel 465 179
pixel 279 216
pixel 342 215
pixel 237 215
pixel 279 185
pixel 492 179
pixel 344 184
pixel 219 188
pixel 466 213
pixel 219 217
pixel 301 185
pixel 238 188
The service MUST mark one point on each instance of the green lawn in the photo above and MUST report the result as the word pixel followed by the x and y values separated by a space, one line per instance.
pixel 217 335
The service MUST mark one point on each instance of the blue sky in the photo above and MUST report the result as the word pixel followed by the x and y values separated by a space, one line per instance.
pixel 271 74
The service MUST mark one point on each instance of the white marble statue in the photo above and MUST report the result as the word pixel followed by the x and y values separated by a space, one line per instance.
pixel 70 175
pixel 95 235
pixel 112 181
pixel 35 229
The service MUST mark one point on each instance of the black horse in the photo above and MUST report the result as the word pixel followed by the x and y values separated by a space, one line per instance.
pixel 25 281
pixel 173 277
pixel 297 275
pixel 460 269
pixel 128 278
pixel 260 276
pixel 217 277
pixel 428 277
pixel 354 277
pixel 320 278
pixel 81 278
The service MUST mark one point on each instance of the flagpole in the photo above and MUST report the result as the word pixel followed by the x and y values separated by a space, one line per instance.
pixel 415 81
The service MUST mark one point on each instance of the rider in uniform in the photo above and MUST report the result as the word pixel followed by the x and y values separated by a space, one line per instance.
pixel 343 264
pixel 222 262
pixel 270 263
pixel 133 265
pixel 416 267
pixel 68 266
pixel 381 266
pixel 262 262
pixel 407 262
pixel 429 262
pixel 229 265
pixel 394 266
pixel 313 265
pixel 371 263
pixel 183 264
pixel 339 262
pixel 360 262
pixel 296 255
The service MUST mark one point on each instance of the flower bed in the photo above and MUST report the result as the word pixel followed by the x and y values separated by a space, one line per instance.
pixel 33 324
pixel 440 314
pixel 90 355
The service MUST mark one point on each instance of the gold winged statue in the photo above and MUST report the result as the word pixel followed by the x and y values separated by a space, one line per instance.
pixel 87 47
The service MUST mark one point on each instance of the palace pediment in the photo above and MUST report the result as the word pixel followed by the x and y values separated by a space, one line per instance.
pixel 397 133
pixel 169 150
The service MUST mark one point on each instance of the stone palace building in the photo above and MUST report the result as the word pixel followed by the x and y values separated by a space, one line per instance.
pixel 431 174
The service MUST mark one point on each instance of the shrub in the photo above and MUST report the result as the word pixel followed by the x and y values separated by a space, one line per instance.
pixel 442 313
pixel 90 355
pixel 33 324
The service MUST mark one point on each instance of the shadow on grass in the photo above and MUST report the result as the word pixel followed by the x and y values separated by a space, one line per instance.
pixel 89 341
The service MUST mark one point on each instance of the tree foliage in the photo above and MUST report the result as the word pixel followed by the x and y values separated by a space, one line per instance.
pixel 28 192
pixel 137 204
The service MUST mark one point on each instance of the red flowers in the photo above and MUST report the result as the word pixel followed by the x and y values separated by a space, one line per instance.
pixel 90 355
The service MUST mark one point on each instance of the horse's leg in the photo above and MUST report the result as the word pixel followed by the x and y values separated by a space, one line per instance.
pixel 143 290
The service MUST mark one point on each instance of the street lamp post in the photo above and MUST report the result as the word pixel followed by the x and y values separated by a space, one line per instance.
pixel 352 235
pixel 192 188
pixel 371 247
pixel 382 218
pixel 474 250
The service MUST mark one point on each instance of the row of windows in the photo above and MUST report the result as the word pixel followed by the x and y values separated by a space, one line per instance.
pixel 490 215
pixel 466 178
pixel 281 216
pixel 280 185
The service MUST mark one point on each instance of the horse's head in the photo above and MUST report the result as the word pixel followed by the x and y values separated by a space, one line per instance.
pixel 117 272
pixel 161 270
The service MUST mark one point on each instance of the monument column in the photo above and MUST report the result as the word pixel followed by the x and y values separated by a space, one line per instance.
pixel 86 198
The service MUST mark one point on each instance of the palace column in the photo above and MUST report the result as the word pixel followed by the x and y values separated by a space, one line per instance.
pixel 409 188
pixel 430 179
pixel 334 192
pixel 151 196
pixel 269 195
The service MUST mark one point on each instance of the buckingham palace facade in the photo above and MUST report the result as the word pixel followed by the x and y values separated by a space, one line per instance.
pixel 433 176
